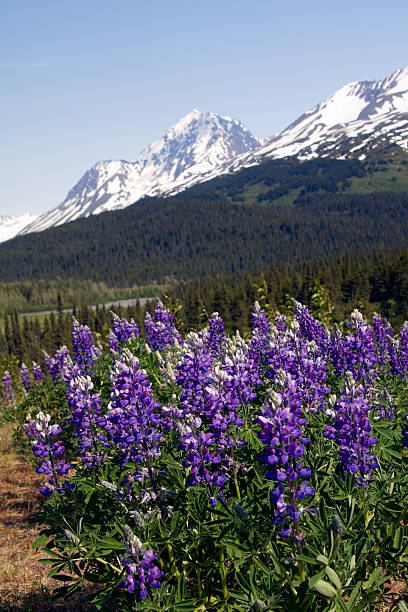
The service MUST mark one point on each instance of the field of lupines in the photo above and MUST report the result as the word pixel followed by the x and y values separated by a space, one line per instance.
pixel 223 473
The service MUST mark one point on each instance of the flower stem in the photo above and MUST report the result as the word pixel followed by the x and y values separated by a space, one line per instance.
pixel 172 560
pixel 302 574
pixel 223 573
pixel 199 585
pixel 235 475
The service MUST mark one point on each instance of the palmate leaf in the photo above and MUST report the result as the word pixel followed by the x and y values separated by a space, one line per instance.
pixel 243 582
pixel 52 553
pixel 340 605
pixel 311 560
pixel 377 577
pixel 57 568
pixel 106 543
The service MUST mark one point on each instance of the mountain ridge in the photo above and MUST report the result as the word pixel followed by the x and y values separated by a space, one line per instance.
pixel 202 146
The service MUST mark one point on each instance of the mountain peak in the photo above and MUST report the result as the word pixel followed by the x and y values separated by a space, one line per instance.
pixel 197 118
pixel 187 120
pixel 194 146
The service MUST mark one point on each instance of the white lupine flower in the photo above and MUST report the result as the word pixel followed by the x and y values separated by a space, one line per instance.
pixel 273 398
pixel 294 326
pixel 356 316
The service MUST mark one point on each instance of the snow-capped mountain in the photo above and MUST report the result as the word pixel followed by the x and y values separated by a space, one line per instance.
pixel 202 146
pixel 10 226
pixel 193 147
pixel 363 112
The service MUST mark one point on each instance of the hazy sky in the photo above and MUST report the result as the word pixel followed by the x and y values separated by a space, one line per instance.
pixel 84 80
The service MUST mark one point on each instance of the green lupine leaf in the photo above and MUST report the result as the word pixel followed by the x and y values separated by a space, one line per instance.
pixel 373 577
pixel 40 541
pixel 315 578
pixel 333 577
pixel 354 595
pixel 324 588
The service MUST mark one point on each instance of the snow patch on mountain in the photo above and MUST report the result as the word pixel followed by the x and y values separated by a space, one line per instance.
pixel 11 226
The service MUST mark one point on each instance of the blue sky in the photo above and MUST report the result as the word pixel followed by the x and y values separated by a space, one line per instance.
pixel 85 80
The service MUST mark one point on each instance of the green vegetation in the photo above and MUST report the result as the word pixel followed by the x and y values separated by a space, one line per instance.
pixel 373 283
pixel 223 473
pixel 281 212
pixel 189 238
pixel 33 296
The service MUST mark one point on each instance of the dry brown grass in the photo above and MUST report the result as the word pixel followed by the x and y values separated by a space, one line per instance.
pixel 24 584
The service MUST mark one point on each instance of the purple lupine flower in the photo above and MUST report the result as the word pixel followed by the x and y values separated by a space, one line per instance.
pixel 140 567
pixel 113 342
pixel 403 348
pixel 405 434
pixel 355 353
pixel 396 366
pixel 60 358
pixel 261 329
pixel 351 431
pixel 85 350
pixel 259 319
pixel 289 350
pixel 160 329
pixel 215 334
pixel 26 378
pixel 132 420
pixel 48 362
pixel 209 399
pixel 306 362
pixel 37 372
pixel 122 329
pixel 281 322
pixel 87 419
pixel 192 374
pixel 275 349
pixel 9 393
pixel 310 328
pixel 55 365
pixel 382 331
pixel 281 433
pixel 241 368
pixel 48 451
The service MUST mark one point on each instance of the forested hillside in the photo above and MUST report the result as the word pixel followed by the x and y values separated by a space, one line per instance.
pixel 332 288
pixel 283 211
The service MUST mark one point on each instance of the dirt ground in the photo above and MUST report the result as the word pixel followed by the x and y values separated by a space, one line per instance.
pixel 24 584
